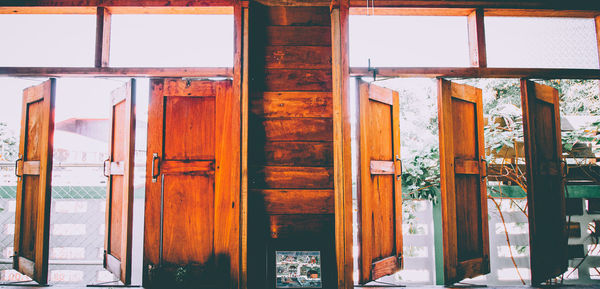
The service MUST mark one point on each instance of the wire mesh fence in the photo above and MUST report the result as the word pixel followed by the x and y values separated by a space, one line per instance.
pixel 77 223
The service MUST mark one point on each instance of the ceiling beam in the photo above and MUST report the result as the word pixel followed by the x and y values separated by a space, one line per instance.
pixel 476 72
pixel 116 72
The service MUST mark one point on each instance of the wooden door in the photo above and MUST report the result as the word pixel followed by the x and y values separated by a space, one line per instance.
pixel 546 200
pixel 119 193
pixel 34 172
pixel 463 182
pixel 192 184
pixel 380 190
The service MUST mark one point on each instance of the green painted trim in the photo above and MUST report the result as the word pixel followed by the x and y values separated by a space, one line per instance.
pixel 70 192
pixel 438 243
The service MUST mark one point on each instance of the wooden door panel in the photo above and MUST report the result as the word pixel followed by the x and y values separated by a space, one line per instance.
pixel 34 171
pixel 192 184
pixel 380 196
pixel 185 129
pixel 119 192
pixel 463 183
pixel 188 218
pixel 548 236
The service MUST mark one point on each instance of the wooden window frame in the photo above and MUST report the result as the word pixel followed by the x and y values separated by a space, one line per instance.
pixel 103 39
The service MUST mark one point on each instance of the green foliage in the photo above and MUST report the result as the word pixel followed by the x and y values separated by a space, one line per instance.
pixel 421 175
pixel 8 144
pixel 502 107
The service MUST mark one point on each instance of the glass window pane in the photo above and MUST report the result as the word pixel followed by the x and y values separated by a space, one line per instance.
pixel 172 40
pixel 409 41
pixel 47 40
pixel 538 42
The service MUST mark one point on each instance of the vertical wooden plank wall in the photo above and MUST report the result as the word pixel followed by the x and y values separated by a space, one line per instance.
pixel 290 137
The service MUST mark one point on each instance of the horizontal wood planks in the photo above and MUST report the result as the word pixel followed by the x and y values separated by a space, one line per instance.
pixel 290 147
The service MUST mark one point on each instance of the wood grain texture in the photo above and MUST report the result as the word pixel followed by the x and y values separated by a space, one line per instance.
pixel 293 153
pixel 379 193
pixel 198 181
pixel 463 184
pixel 286 201
pixel 119 207
pixel 297 80
pixel 299 35
pixel 301 16
pixel 302 57
pixel 293 104
pixel 298 129
pixel 32 216
pixel 476 29
pixel 548 237
pixel 102 53
pixel 298 226
pixel 278 177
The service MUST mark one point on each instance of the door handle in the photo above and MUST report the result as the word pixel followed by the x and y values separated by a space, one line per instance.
pixel 155 174
pixel 104 168
pixel 17 166
pixel 484 167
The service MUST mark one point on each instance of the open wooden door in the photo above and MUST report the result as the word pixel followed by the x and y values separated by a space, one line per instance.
pixel 192 215
pixel 463 182
pixel 548 236
pixel 118 168
pixel 380 183
pixel 34 172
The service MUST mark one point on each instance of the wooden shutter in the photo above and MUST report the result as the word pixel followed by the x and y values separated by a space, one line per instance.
pixel 380 190
pixel 546 200
pixel 119 195
pixel 463 183
pixel 34 171
pixel 192 184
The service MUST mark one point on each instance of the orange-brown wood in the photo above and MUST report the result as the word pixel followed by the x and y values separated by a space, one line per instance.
pixel 119 71
pixel 290 135
pixel 119 193
pixel 298 129
pixel 300 16
pixel 342 151
pixel 475 72
pixel 102 37
pixel 294 153
pixel 463 183
pixel 192 186
pixel 297 80
pixel 548 236
pixel 380 185
pixel 303 57
pixel 283 177
pixel 32 216
pixel 477 51
pixel 399 11
pixel 299 35
pixel 293 104
pixel 288 201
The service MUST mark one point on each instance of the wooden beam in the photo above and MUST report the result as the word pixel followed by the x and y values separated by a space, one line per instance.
pixel 108 3
pixel 214 10
pixel 584 5
pixel 475 25
pixel 475 72
pixel 102 37
pixel 117 71
pixel 47 10
pixel 244 140
pixel 342 153
pixel 412 11
pixel 541 13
